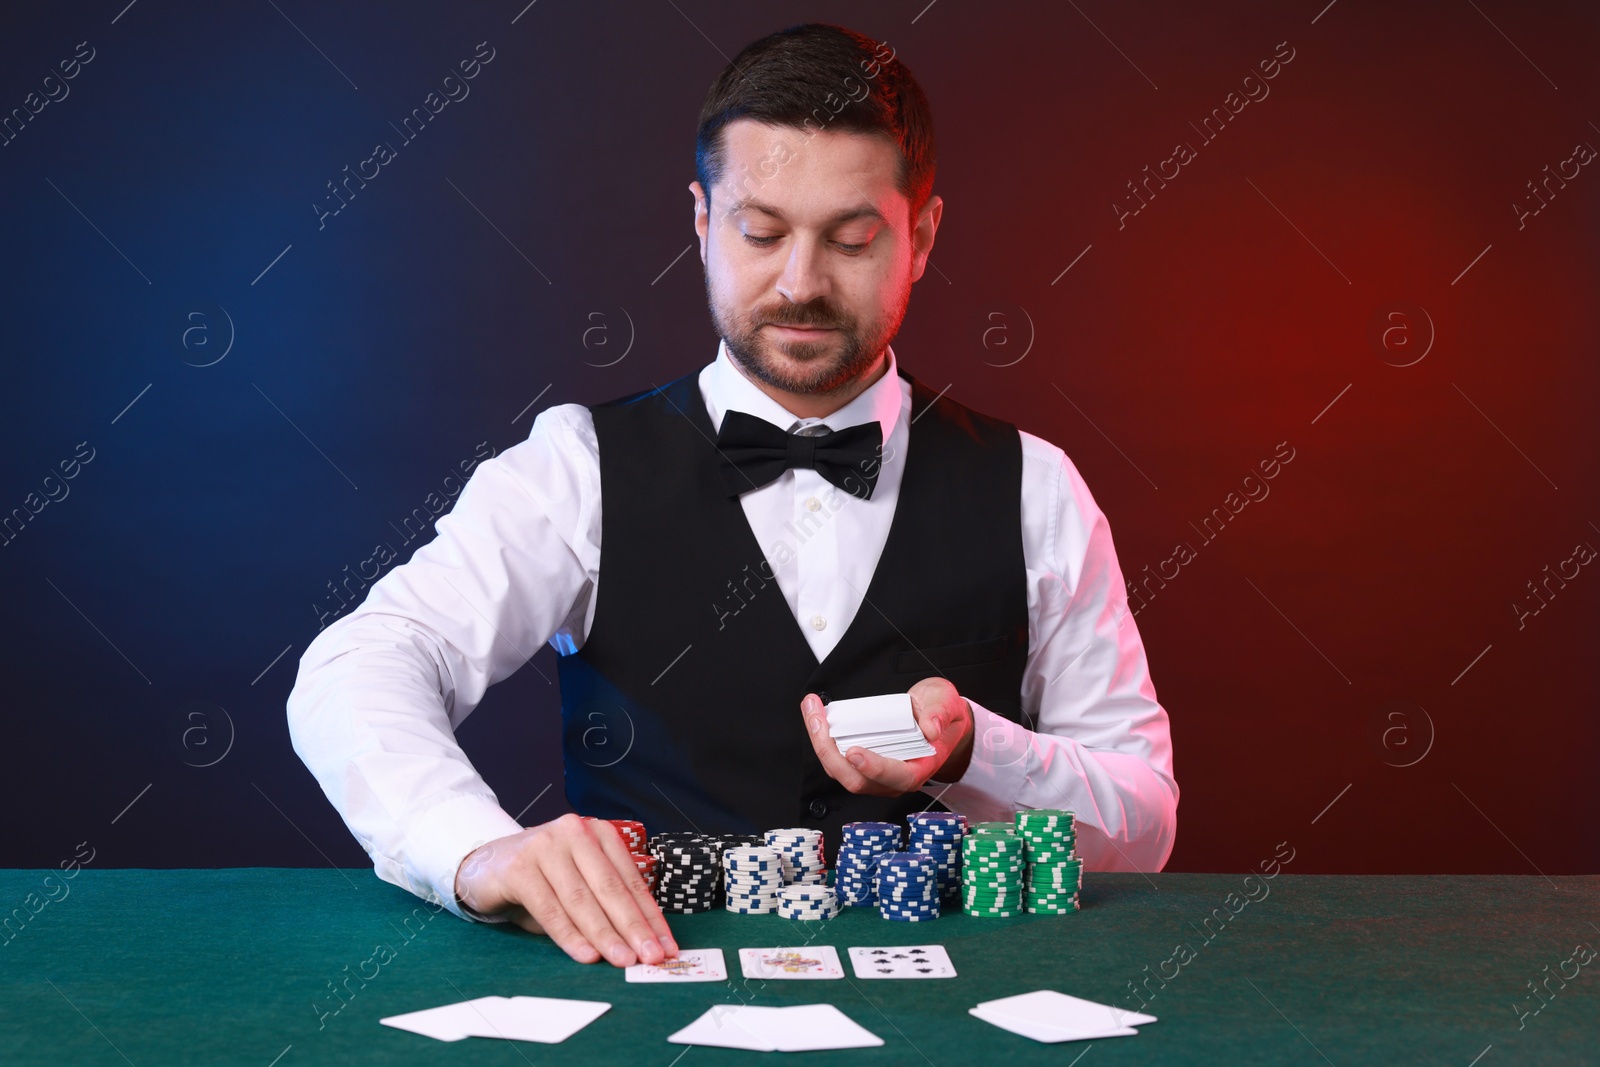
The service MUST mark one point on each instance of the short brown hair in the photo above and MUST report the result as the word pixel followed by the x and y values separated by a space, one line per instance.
pixel 822 77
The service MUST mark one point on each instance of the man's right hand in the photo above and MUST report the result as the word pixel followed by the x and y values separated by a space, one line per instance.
pixel 573 880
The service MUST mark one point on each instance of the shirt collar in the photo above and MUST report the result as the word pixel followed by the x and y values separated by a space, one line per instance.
pixel 728 389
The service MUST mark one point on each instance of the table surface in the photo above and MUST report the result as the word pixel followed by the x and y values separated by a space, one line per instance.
pixel 235 966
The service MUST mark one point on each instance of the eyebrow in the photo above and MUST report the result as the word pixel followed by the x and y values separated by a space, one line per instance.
pixel 865 211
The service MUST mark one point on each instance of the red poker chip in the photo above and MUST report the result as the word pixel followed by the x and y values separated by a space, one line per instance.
pixel 632 833
pixel 646 864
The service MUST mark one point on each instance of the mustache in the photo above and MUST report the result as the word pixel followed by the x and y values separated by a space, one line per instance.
pixel 802 315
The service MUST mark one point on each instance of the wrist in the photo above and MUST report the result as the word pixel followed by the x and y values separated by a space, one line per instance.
pixel 477 880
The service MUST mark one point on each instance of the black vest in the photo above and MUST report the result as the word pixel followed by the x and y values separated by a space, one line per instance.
pixel 682 708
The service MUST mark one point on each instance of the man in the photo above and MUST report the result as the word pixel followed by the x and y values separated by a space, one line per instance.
pixel 851 531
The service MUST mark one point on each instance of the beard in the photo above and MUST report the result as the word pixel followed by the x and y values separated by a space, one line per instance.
pixel 821 367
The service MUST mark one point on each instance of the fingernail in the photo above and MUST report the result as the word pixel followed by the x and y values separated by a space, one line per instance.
pixel 816 724
pixel 650 947
pixel 856 758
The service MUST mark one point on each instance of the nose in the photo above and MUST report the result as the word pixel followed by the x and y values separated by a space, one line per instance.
pixel 804 277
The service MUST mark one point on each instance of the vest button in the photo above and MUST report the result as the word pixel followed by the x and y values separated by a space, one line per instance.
pixel 818 808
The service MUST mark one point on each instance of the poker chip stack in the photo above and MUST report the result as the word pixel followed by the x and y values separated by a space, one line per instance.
pixel 907 887
pixel 632 833
pixel 938 834
pixel 688 872
pixel 754 877
pixel 1054 871
pixel 992 871
pixel 856 867
pixel 800 853
pixel 808 902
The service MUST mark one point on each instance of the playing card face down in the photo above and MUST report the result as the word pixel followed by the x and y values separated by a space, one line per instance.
pixel 690 965
pixel 802 1028
pixel 902 961
pixel 1049 1034
pixel 1046 1015
pixel 544 1019
pixel 812 961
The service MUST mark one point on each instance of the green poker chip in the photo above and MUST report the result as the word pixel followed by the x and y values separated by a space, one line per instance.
pixel 1027 865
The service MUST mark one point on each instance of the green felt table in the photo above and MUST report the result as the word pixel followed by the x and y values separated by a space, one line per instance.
pixel 235 966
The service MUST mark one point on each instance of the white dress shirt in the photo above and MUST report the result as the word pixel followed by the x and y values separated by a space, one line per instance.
pixel 516 563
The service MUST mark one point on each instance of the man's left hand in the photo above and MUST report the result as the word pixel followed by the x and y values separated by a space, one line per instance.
pixel 945 719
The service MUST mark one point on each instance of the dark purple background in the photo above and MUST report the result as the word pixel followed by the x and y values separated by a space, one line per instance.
pixel 1357 618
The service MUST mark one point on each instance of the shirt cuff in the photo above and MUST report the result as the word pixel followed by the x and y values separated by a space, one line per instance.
pixel 444 836
pixel 998 768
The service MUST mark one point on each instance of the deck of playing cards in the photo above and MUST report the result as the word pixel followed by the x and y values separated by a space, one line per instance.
pixel 546 1019
pixel 1046 1015
pixel 883 724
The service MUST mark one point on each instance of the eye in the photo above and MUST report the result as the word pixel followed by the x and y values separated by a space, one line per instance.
pixel 851 249
pixel 759 242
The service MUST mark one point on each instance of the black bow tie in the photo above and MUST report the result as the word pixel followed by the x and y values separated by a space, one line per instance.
pixel 755 452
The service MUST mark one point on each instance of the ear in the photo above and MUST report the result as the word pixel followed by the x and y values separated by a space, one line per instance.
pixel 922 235
pixel 702 217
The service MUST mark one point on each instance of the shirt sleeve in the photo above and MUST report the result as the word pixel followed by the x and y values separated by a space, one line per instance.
pixel 1093 740
pixel 381 691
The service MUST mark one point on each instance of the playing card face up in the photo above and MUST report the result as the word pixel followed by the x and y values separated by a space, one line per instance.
pixel 690 965
pixel 902 961
pixel 816 961
pixel 544 1019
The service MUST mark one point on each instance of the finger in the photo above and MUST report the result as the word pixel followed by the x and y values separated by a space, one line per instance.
pixel 580 899
pixel 607 871
pixel 826 748
pixel 640 919
pixel 542 913
pixel 883 775
pixel 933 714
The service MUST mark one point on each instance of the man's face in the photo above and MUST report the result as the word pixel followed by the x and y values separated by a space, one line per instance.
pixel 809 253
